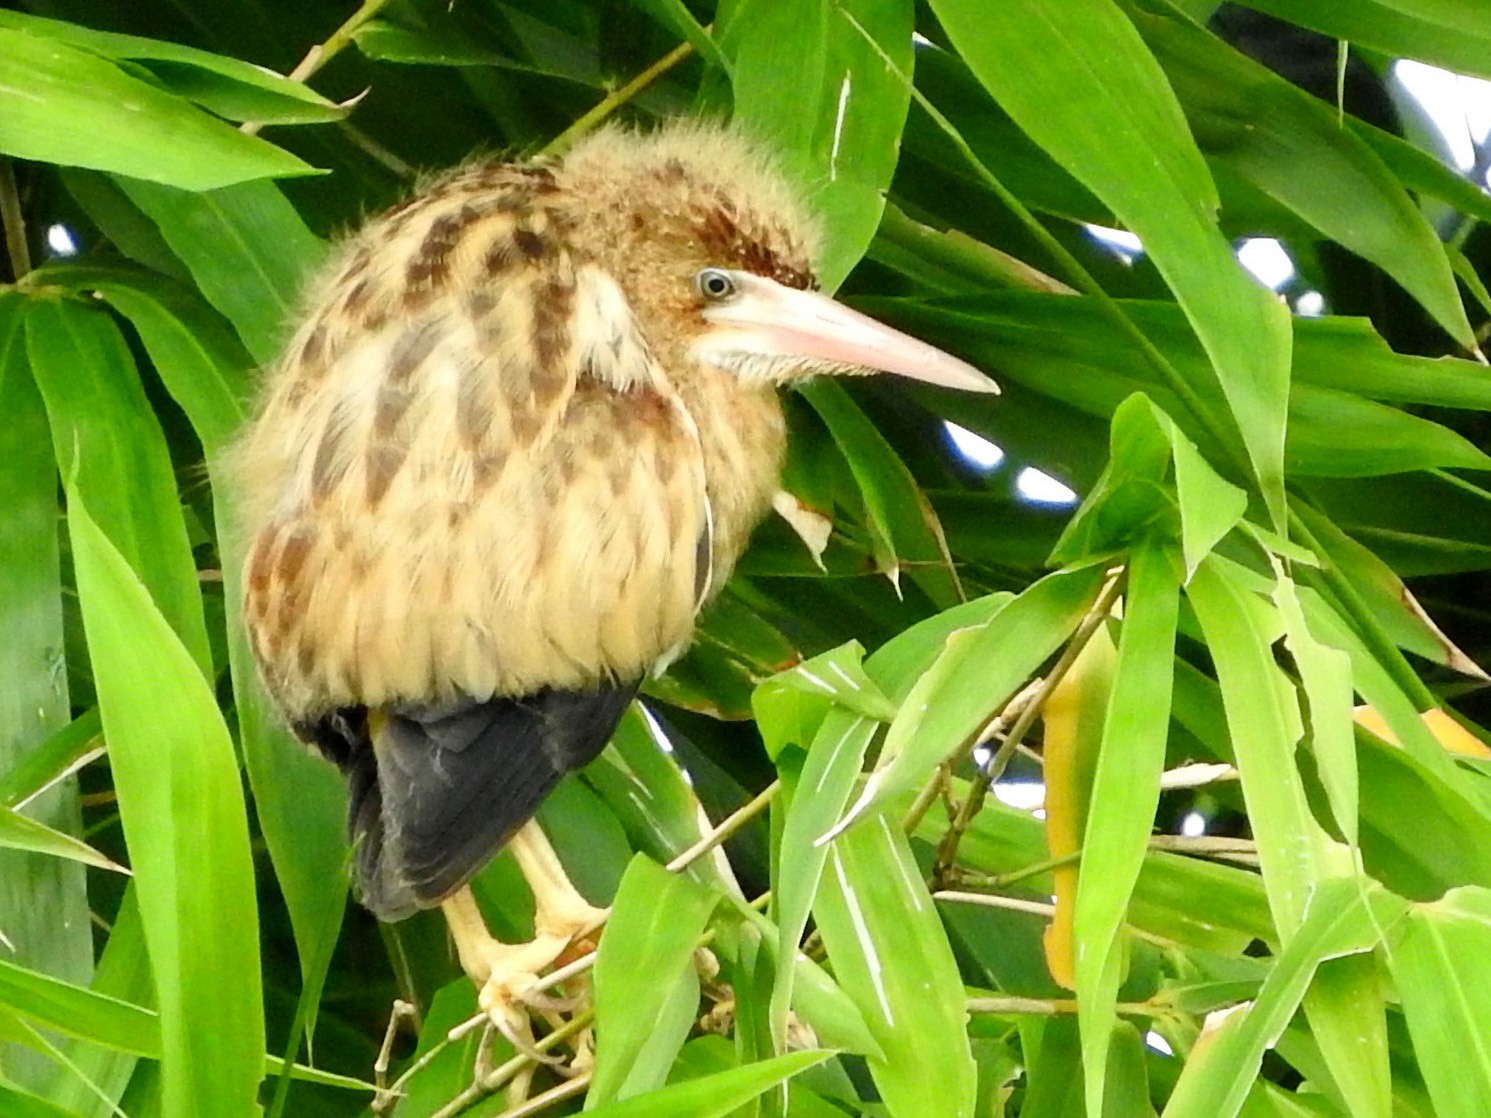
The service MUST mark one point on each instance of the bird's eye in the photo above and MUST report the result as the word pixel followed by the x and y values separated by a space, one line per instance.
pixel 715 284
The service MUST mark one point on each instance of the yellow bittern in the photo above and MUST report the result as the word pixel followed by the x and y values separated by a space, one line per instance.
pixel 518 441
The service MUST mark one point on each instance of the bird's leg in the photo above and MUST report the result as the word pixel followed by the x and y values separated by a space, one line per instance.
pixel 559 910
pixel 507 974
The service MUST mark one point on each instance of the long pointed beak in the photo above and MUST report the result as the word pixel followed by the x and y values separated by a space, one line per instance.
pixel 766 319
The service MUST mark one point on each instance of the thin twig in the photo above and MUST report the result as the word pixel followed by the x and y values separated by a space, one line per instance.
pixel 552 1095
pixel 380 154
pixel 1196 775
pixel 734 822
pixel 322 53
pixel 1005 880
pixel 1242 851
pixel 498 1076
pixel 615 100
pixel 1035 908
pixel 947 849
pixel 384 1098
pixel 1052 1007
pixel 14 220
pixel 931 792
pixel 995 900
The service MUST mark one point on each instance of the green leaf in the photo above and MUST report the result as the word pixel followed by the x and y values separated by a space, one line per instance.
pixel 644 968
pixel 96 1077
pixel 48 760
pixel 806 78
pixel 819 794
pixel 1125 794
pixel 837 677
pixel 903 527
pixel 645 789
pixel 1343 1007
pixel 195 352
pixel 676 15
pixel 713 1096
pixel 1445 32
pixel 1325 673
pixel 888 947
pixel 104 429
pixel 184 820
pixel 80 1012
pixel 299 799
pixel 247 249
pixel 1210 506
pixel 979 670
pixel 1338 434
pixel 23 1104
pixel 835 755
pixel 19 832
pixel 1291 146
pixel 1132 499
pixel 1345 916
pixel 228 86
pixel 1084 87
pixel 62 105
pixel 44 901
pixel 1264 720
pixel 1386 597
pixel 1443 974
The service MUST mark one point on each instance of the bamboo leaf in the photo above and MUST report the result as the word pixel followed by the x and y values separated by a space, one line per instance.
pixel 1124 795
pixel 1084 87
pixel 228 86
pixel 184 819
pixel 1441 968
pixel 1264 721
pixel 806 78
pixel 44 902
pixel 1439 31
pixel 19 832
pixel 81 1012
pixel 903 528
pixel 1345 917
pixel 643 970
pixel 1293 149
pixel 713 1096
pixel 245 246
pixel 62 105
pixel 872 908
pixel 104 429
pixel 979 670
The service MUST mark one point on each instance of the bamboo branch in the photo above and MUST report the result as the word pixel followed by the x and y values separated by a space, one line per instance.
pixel 14 220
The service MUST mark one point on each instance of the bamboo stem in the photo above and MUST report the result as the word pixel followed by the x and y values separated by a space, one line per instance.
pixel 14 220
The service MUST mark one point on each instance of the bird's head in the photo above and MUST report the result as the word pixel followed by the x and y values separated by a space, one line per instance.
pixel 714 249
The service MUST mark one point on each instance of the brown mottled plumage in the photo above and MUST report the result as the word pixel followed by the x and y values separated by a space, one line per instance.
pixel 520 437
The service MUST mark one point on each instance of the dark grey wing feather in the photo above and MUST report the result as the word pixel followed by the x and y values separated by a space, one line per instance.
pixel 439 789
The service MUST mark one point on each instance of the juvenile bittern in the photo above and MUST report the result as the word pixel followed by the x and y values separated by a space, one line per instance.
pixel 518 441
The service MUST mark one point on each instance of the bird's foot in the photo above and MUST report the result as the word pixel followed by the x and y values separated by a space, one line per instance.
pixel 509 982
pixel 510 977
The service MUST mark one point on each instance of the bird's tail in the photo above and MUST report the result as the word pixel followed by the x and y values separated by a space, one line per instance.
pixel 437 790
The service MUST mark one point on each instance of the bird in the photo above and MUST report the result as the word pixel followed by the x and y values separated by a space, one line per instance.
pixel 517 440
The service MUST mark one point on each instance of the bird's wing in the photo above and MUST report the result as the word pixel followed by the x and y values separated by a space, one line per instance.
pixel 488 521
pixel 436 790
